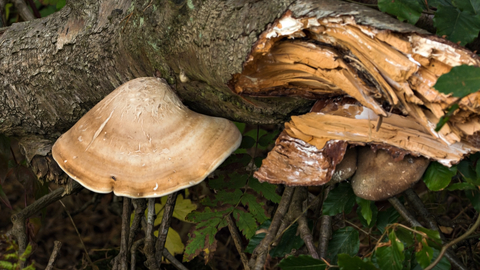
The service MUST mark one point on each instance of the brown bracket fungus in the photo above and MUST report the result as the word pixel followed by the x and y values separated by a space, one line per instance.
pixel 141 142
pixel 379 176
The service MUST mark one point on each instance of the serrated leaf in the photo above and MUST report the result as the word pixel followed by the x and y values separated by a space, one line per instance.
pixel 266 189
pixel 254 207
pixel 237 180
pixel 245 222
pixel 344 240
pixel 347 262
pixel 289 241
pixel 460 81
pixel 206 214
pixel 257 238
pixel 424 255
pixel 365 209
pixel 340 200
pixel 390 257
pixel 386 217
pixel 225 197
pixel 199 240
pixel 474 197
pixel 173 243
pixel 301 262
pixel 409 10
pixel 437 176
pixel 458 26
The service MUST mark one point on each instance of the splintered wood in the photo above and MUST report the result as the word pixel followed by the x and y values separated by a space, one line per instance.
pixel 391 75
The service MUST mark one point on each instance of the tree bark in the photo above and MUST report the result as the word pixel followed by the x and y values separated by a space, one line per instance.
pixel 55 69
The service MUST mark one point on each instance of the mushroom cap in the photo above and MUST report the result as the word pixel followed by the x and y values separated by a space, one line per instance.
pixel 140 141
pixel 380 177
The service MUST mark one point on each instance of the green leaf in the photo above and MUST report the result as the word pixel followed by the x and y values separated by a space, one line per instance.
pixel 254 207
pixel 173 243
pixel 183 207
pixel 444 264
pixel 457 25
pixel 460 81
pixel 266 189
pixel 225 197
pixel 340 200
pixel 468 172
pixel 474 197
pixel 245 222
pixel 404 235
pixel 344 240
pixel 461 186
pixel 472 6
pixel 301 262
pixel 386 217
pixel 437 176
pixel 268 138
pixel 409 10
pixel 6 265
pixel 433 239
pixel 347 262
pixel 391 257
pixel 240 126
pixel 198 241
pixel 444 119
pixel 425 255
pixel 257 238
pixel 289 241
pixel 366 209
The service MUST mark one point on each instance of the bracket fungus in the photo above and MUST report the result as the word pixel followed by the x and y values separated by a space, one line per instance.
pixel 140 141
pixel 374 81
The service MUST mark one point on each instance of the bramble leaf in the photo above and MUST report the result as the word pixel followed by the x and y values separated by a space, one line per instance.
pixel 245 222
pixel 254 207
pixel 265 189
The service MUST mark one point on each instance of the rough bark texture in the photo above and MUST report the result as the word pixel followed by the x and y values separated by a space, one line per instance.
pixel 56 68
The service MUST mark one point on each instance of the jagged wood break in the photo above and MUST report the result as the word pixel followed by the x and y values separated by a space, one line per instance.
pixel 389 74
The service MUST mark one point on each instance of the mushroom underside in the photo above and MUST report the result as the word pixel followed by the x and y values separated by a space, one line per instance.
pixel 374 87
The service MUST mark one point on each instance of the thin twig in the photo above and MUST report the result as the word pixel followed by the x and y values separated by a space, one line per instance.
pixel 125 233
pixel 299 196
pixel 237 239
pixel 414 223
pixel 260 253
pixel 23 10
pixel 18 229
pixel 133 251
pixel 459 239
pixel 56 248
pixel 325 228
pixel 174 261
pixel 94 201
pixel 164 225
pixel 79 237
pixel 139 205
pixel 149 248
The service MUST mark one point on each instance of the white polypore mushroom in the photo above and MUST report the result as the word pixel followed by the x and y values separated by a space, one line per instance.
pixel 141 142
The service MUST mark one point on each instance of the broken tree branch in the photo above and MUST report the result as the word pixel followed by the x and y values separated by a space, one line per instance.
pixel 164 226
pixel 259 255
pixel 56 248
pixel 237 240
